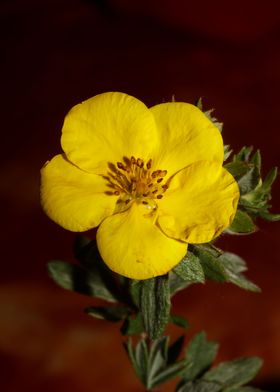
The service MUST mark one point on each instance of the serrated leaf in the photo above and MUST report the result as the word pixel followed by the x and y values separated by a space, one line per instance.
pixel 132 325
pixel 200 355
pixel 155 305
pixel 108 313
pixel 179 321
pixel 190 269
pixel 234 265
pixel 75 278
pixel 208 257
pixel 242 223
pixel 234 373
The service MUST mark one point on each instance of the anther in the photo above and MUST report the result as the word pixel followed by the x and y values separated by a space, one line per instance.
pixel 116 193
pixel 163 173
pixel 155 191
pixel 159 180
pixel 159 196
pixel 120 166
pixel 149 164
pixel 144 202
pixel 133 160
pixel 164 186
pixel 140 162
pixel 146 194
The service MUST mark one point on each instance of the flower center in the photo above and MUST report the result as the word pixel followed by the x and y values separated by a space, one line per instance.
pixel 135 181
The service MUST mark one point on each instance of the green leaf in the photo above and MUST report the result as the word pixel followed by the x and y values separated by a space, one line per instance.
pixel 155 305
pixel 135 291
pixel 269 216
pixel 242 223
pixel 141 358
pixel 227 152
pixel 257 160
pixel 169 372
pixel 176 283
pixel 190 269
pixel 179 321
pixel 208 257
pixel 108 313
pixel 234 265
pixel 89 257
pixel 131 354
pixel 200 386
pixel 243 154
pixel 269 179
pixel 75 278
pixel 243 389
pixel 200 355
pixel 132 325
pixel 237 169
pixel 157 359
pixel 249 181
pixel 234 373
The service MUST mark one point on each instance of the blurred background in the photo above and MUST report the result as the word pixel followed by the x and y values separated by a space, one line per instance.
pixel 57 53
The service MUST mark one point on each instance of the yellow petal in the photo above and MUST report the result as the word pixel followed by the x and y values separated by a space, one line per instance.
pixel 73 198
pixel 106 128
pixel 200 203
pixel 186 136
pixel 131 245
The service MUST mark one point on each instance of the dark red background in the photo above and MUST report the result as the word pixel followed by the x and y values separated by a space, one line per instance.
pixel 58 53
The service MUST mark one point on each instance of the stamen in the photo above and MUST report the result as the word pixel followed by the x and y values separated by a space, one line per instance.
pixel 140 162
pixel 149 164
pixel 133 180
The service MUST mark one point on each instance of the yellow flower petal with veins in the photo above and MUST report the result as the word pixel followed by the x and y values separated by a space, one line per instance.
pixel 201 203
pixel 74 199
pixel 106 128
pixel 186 135
pixel 151 179
pixel 137 248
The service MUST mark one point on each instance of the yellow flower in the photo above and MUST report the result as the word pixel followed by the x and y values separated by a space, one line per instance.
pixel 151 179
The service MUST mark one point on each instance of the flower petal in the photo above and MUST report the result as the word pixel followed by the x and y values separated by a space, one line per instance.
pixel 186 136
pixel 200 203
pixel 133 246
pixel 74 199
pixel 107 128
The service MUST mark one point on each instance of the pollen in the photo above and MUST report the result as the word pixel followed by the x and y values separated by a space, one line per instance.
pixel 135 180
